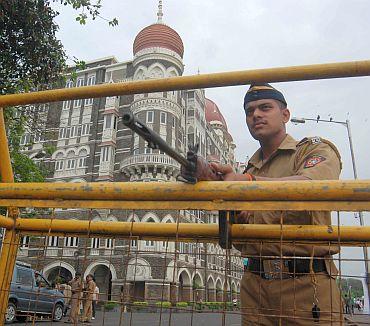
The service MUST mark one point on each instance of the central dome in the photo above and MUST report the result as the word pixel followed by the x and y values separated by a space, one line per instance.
pixel 213 113
pixel 158 35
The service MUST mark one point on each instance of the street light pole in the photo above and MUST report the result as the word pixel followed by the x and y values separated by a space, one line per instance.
pixel 354 169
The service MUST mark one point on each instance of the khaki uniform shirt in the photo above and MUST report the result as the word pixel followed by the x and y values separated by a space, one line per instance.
pixel 90 288
pixel 76 287
pixel 314 158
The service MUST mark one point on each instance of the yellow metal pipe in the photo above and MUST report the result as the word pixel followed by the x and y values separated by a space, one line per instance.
pixel 329 190
pixel 283 74
pixel 205 205
pixel 11 238
pixel 6 222
pixel 144 230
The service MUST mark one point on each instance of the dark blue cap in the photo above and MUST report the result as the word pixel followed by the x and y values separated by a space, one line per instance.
pixel 263 92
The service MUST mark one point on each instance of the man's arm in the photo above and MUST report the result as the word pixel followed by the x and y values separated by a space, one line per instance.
pixel 230 175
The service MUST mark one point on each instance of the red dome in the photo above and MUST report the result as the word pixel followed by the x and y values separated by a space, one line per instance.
pixel 213 113
pixel 159 35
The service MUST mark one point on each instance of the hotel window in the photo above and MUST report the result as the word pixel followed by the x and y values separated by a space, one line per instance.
pixel 78 103
pixel 90 81
pixel 52 241
pixel 105 154
pixel 71 242
pixel 149 117
pixel 163 118
pixel 95 243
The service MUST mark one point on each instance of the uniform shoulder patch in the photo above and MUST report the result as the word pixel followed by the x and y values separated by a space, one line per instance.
pixel 313 160
pixel 316 140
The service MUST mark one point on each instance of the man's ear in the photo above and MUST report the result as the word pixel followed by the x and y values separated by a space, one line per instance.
pixel 286 115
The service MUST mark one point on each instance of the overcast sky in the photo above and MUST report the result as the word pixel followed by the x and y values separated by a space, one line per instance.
pixel 248 34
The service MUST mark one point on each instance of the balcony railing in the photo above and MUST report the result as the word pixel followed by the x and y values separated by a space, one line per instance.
pixel 151 159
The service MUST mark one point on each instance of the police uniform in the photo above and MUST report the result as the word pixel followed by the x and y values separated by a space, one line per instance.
pixel 290 294
pixel 76 289
pixel 301 288
pixel 89 293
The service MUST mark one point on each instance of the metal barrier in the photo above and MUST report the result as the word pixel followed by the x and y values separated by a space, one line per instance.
pixel 230 196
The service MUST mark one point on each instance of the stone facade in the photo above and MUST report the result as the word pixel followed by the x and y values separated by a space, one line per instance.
pixel 93 145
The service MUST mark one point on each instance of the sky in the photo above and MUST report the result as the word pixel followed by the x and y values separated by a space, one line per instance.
pixel 248 34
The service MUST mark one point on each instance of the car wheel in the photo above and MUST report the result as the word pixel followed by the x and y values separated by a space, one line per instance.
pixel 11 312
pixel 58 312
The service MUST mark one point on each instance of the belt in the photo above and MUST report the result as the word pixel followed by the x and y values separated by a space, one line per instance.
pixel 272 269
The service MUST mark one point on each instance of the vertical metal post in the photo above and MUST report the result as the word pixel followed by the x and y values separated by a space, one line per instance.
pixel 361 216
pixel 11 238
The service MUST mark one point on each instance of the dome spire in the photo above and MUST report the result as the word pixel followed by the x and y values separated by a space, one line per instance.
pixel 160 13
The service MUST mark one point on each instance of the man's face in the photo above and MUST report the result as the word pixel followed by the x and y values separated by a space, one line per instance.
pixel 265 119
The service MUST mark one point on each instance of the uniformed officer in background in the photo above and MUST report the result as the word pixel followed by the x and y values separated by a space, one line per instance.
pixel 299 289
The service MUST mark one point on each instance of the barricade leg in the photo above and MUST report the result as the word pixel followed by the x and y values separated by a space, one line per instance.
pixel 11 238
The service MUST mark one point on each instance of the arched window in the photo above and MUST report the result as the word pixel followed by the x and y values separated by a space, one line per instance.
pixel 71 161
pixel 82 158
pixel 59 162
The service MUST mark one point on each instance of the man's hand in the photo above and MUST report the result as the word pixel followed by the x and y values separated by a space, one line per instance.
pixel 203 172
pixel 228 173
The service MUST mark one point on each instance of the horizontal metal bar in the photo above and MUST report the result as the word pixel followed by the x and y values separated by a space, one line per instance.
pixel 329 190
pixel 240 232
pixel 282 74
pixel 6 222
pixel 205 205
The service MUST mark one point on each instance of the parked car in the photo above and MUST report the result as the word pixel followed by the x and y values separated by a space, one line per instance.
pixel 30 294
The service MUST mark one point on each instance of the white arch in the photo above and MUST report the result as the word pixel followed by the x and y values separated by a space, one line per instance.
pixel 171 72
pixel 238 287
pixel 168 218
pixel 210 277
pixel 141 72
pixel 200 276
pixel 71 152
pixel 133 217
pixel 156 70
pixel 93 266
pixel 86 148
pixel 149 215
pixel 138 269
pixel 47 269
pixel 188 279
pixel 218 281
pixel 56 153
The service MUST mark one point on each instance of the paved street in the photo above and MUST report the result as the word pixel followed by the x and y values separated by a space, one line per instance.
pixel 146 319
pixel 178 319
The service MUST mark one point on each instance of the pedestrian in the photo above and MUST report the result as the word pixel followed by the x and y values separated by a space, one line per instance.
pixel 95 299
pixel 88 298
pixel 76 289
pixel 347 302
pixel 285 284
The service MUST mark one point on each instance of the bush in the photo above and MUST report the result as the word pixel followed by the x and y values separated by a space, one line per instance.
pixel 110 305
pixel 181 304
pixel 163 304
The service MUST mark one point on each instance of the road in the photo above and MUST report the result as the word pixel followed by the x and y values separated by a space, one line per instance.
pixel 177 319
pixel 148 319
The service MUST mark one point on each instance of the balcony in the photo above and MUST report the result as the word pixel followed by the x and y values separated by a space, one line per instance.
pixel 163 166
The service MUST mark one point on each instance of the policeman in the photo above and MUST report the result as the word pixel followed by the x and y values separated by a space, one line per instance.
pixel 286 284
pixel 76 289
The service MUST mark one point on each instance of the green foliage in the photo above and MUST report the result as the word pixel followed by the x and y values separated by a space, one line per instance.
pixel 163 304
pixel 181 304
pixel 139 305
pixel 110 305
pixel 351 286
pixel 32 58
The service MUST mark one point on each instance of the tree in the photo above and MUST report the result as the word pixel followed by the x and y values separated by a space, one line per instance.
pixel 32 58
